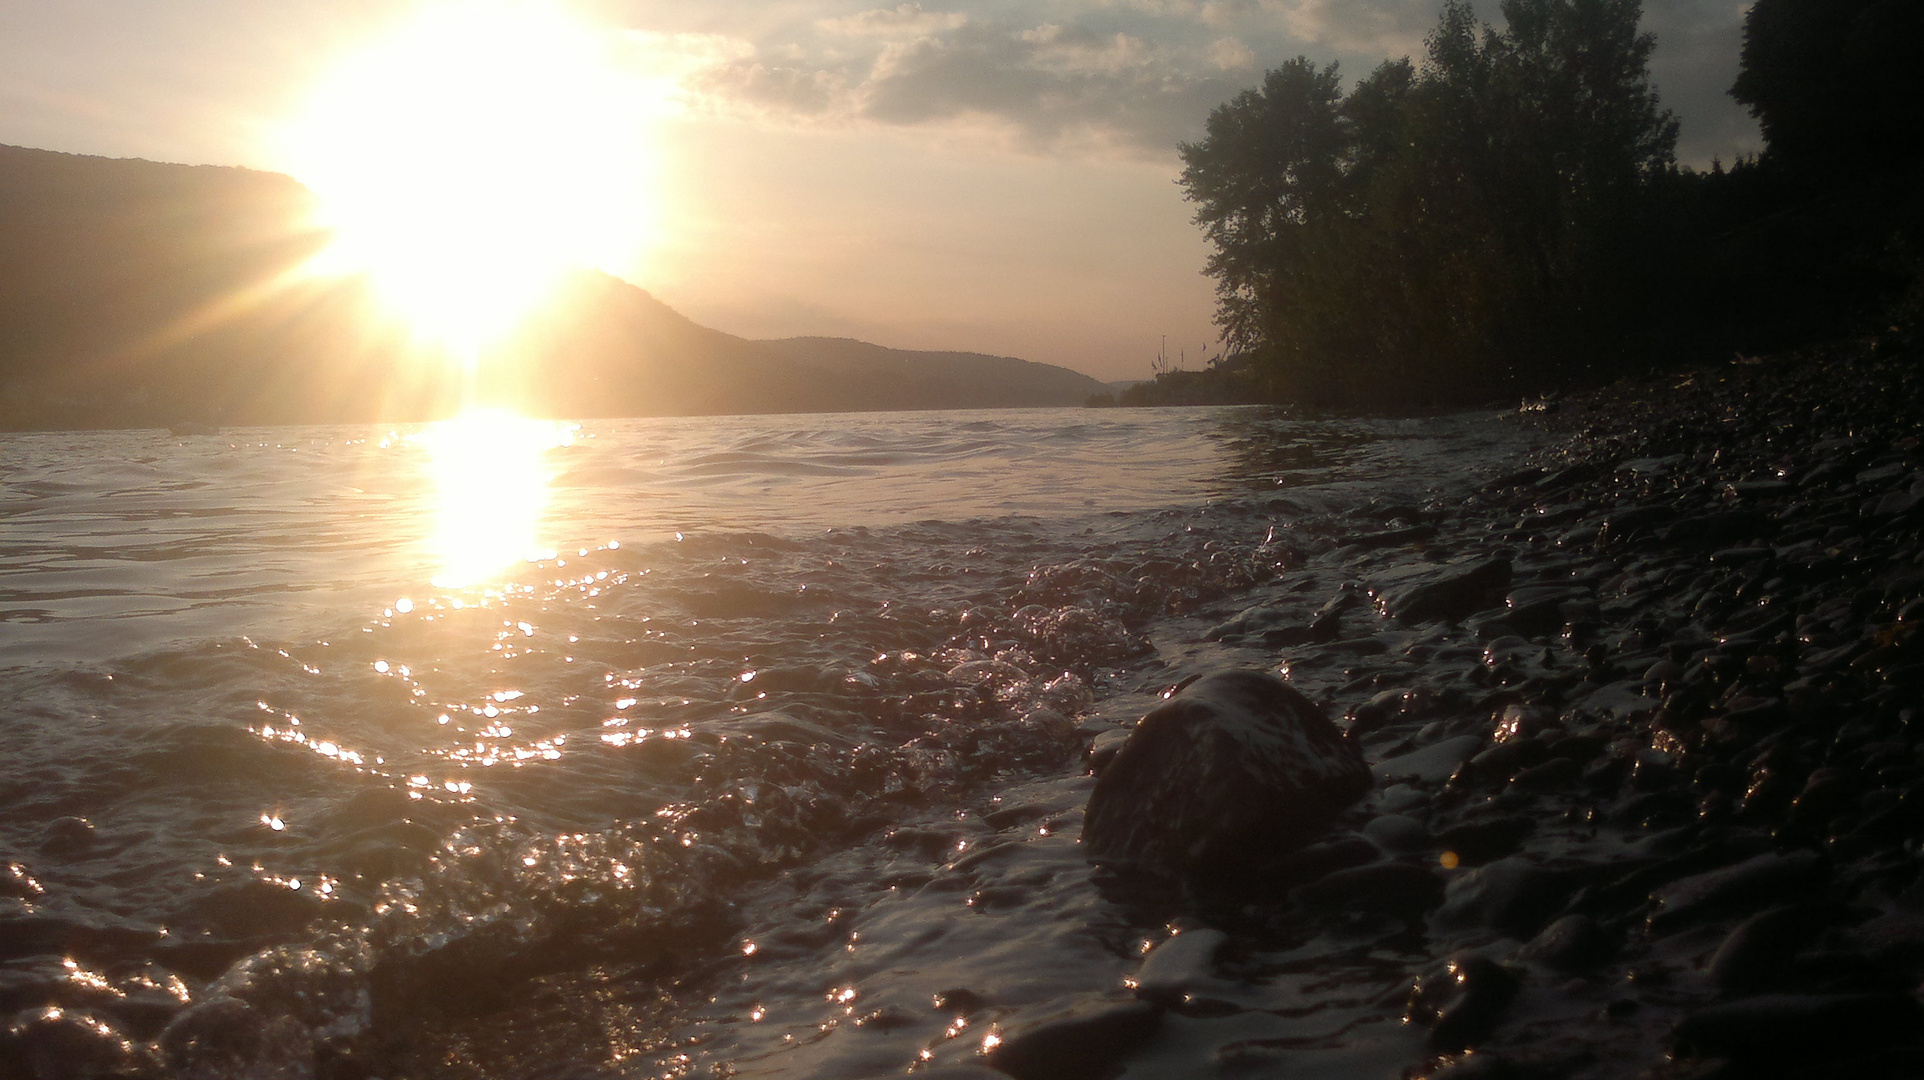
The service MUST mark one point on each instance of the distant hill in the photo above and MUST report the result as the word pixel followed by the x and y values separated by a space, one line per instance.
pixel 134 293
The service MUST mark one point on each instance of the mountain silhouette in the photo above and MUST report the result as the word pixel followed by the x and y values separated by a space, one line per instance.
pixel 136 294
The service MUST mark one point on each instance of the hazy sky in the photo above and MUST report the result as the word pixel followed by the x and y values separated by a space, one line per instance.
pixel 965 174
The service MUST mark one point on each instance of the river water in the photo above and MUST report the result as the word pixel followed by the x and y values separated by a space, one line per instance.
pixel 683 747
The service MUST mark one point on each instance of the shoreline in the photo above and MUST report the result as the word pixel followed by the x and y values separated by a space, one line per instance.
pixel 1649 809
pixel 1646 805
pixel 1673 780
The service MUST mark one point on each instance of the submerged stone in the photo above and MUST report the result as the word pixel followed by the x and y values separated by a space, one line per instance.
pixel 1080 1039
pixel 1234 771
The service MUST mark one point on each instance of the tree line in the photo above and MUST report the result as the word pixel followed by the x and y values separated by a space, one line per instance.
pixel 1507 214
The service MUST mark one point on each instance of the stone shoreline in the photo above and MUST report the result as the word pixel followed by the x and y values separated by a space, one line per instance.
pixel 1648 744
pixel 1666 746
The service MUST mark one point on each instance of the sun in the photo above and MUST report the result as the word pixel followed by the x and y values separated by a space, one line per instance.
pixel 470 157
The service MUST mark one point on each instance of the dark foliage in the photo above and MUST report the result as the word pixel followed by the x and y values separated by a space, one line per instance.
pixel 1446 230
pixel 1506 214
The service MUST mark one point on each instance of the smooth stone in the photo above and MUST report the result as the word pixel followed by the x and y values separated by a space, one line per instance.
pixel 1434 762
pixel 1572 943
pixel 1453 596
pixel 1398 798
pixel 1391 888
pixel 1756 882
pixel 1178 965
pixel 1557 774
pixel 1103 748
pixel 1379 710
pixel 224 1036
pixel 67 836
pixel 1232 771
pixel 1513 895
pixel 1484 992
pixel 54 1042
pixel 1758 949
pixel 1477 842
pixel 1082 1039
pixel 1398 834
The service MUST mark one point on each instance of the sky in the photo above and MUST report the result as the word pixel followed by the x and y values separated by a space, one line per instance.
pixel 983 175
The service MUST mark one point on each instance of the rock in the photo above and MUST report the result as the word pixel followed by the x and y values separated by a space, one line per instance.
pixel 1398 834
pixel 1572 943
pixel 1762 946
pixel 1392 888
pixel 226 1037
pixel 959 1001
pixel 1756 882
pixel 1392 537
pixel 1384 708
pixel 1800 1027
pixel 1433 762
pixel 1623 523
pixel 1103 748
pixel 1511 895
pixel 252 908
pixel 1479 842
pixel 53 1043
pixel 1719 529
pixel 1079 1040
pixel 1557 774
pixel 1453 596
pixel 1316 861
pixel 67 836
pixel 1233 771
pixel 1178 965
pixel 1467 1002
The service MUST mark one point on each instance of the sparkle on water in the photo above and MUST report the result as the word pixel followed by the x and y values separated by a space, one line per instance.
pixel 491 475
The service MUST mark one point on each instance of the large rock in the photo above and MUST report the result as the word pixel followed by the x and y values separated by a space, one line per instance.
pixel 1229 774
pixel 1452 595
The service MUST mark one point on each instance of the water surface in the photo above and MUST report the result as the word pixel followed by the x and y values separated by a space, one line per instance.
pixel 758 672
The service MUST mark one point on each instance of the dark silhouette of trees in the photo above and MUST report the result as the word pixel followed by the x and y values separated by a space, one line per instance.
pixel 1837 202
pixel 1445 230
pixel 1837 85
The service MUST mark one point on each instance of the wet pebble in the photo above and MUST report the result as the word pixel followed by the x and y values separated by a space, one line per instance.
pixel 1398 834
pixel 1467 1002
pixel 1756 882
pixel 67 836
pixel 1079 1039
pixel 1392 888
pixel 1231 771
pixel 1572 943
pixel 1512 895
pixel 1453 595
pixel 1178 965
pixel 224 1038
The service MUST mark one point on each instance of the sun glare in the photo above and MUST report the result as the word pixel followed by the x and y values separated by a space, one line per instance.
pixel 491 478
pixel 470 157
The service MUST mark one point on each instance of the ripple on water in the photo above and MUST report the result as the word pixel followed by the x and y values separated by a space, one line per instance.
pixel 543 817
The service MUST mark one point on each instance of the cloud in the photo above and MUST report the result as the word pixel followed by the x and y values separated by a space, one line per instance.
pixel 1044 84
pixel 777 88
pixel 1230 54
pixel 1136 76
pixel 905 20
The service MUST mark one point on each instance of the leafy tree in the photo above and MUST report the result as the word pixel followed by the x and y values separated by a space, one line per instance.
pixel 1444 230
pixel 1836 85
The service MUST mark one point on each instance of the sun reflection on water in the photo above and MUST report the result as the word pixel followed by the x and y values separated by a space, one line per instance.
pixel 491 473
